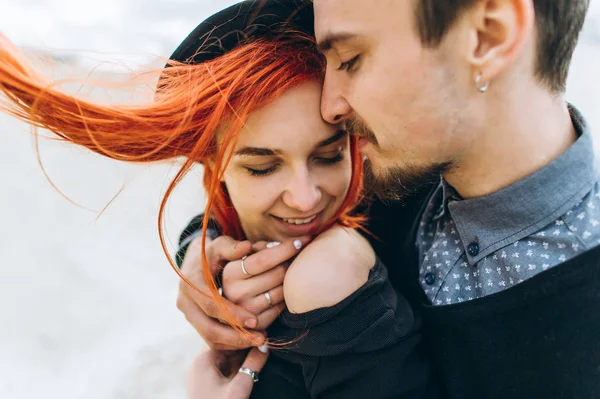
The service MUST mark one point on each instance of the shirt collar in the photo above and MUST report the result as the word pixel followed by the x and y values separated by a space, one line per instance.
pixel 448 194
pixel 525 207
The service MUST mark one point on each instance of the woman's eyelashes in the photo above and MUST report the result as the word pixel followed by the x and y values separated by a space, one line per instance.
pixel 339 157
pixel 261 172
pixel 323 160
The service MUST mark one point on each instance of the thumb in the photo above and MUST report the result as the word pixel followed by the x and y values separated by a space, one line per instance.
pixel 227 249
pixel 241 385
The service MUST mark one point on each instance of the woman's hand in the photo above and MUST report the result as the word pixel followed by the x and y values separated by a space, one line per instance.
pixel 205 381
pixel 258 286
pixel 224 253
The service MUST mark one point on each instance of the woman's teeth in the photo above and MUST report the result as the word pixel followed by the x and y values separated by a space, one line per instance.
pixel 300 221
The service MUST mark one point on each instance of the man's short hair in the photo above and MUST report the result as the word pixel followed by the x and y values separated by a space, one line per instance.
pixel 559 23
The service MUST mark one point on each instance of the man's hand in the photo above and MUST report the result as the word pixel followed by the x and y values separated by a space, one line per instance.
pixel 266 268
pixel 205 381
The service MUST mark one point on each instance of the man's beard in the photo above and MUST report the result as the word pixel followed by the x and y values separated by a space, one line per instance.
pixel 398 182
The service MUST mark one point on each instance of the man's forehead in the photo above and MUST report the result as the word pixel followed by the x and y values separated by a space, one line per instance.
pixel 340 19
pixel 329 12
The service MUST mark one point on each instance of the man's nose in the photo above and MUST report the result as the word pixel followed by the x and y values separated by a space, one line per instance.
pixel 334 107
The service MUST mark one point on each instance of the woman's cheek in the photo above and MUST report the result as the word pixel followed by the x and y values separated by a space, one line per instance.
pixel 252 193
pixel 335 181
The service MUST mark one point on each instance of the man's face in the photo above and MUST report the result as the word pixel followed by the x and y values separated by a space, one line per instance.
pixel 409 102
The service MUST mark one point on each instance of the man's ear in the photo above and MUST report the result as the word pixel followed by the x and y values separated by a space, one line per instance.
pixel 500 31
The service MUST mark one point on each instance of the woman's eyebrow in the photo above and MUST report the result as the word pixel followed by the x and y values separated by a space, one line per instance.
pixel 268 152
pixel 256 152
pixel 335 138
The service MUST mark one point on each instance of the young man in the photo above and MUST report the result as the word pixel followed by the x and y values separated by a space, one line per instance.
pixel 500 255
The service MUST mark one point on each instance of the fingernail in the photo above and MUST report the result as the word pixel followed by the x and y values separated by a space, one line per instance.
pixel 273 244
pixel 298 244
pixel 264 349
pixel 250 323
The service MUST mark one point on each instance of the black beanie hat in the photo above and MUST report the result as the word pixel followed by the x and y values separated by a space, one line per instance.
pixel 242 22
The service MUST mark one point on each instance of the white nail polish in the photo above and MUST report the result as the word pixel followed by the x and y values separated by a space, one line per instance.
pixel 273 244
pixel 298 244
pixel 263 349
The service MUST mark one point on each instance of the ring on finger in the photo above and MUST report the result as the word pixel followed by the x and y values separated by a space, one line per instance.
pixel 268 298
pixel 249 372
pixel 244 266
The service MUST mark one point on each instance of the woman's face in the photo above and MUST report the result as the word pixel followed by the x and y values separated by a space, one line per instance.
pixel 290 171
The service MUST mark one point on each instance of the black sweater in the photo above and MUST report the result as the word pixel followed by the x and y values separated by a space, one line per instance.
pixel 367 346
pixel 539 339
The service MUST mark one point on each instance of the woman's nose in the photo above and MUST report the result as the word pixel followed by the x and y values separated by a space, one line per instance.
pixel 303 193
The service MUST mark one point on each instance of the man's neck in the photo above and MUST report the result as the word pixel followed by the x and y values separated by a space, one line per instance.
pixel 521 135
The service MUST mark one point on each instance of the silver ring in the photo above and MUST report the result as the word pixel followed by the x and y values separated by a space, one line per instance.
pixel 244 266
pixel 249 372
pixel 268 298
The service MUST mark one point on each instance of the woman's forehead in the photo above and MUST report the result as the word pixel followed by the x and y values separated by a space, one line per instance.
pixel 292 119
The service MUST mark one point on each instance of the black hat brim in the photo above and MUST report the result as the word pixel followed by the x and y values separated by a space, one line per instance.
pixel 242 22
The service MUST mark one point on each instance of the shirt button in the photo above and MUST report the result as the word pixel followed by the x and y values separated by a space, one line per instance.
pixel 473 249
pixel 430 279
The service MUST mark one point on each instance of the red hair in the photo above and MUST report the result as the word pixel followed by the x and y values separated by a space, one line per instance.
pixel 184 120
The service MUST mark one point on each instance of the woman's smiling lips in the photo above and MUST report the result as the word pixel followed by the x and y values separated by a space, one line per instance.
pixel 295 227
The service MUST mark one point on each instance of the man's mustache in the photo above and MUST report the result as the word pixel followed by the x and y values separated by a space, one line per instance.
pixel 358 128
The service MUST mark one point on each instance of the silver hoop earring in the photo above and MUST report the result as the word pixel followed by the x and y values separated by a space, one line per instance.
pixel 482 87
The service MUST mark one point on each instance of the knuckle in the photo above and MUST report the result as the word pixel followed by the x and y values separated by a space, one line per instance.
pixel 229 272
pixel 233 295
pixel 260 258
pixel 246 304
pixel 180 302
pixel 210 336
pixel 210 309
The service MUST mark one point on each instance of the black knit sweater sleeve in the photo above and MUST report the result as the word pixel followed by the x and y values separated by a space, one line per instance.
pixel 193 228
pixel 367 346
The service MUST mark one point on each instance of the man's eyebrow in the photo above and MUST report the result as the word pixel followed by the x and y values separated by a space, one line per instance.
pixel 331 39
pixel 256 152
pixel 336 137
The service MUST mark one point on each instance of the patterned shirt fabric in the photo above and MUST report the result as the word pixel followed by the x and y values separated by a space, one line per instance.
pixel 477 247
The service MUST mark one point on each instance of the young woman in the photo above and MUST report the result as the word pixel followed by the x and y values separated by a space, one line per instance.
pixel 241 95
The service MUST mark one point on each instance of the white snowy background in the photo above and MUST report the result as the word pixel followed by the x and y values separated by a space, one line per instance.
pixel 87 304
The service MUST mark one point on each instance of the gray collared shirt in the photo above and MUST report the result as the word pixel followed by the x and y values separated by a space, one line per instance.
pixel 477 247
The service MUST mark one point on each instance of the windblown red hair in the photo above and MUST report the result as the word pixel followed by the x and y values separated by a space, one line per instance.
pixel 193 104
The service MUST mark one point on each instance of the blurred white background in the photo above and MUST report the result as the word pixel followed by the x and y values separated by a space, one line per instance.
pixel 87 304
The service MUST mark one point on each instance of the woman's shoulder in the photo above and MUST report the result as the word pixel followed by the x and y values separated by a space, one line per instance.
pixel 328 270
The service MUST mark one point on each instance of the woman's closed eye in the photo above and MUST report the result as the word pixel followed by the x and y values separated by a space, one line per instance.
pixel 323 159
pixel 255 171
pixel 329 160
